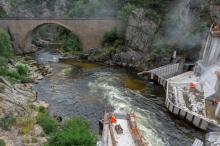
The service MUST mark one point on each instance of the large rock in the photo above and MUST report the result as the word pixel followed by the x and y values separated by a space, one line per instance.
pixel 139 34
pixel 5 6
pixel 140 31
pixel 14 98
pixel 38 131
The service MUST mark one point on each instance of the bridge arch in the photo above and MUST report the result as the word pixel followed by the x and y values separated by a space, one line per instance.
pixel 29 36
pixel 88 30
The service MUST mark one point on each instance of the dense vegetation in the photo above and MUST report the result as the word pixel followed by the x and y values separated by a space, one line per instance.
pixel 14 73
pixel 2 143
pixel 74 131
pixel 93 8
pixel 54 36
pixel 155 9
pixel 70 43
pixel 48 123
pixel 7 122
pixel 5 47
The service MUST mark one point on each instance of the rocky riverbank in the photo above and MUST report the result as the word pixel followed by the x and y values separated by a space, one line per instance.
pixel 17 115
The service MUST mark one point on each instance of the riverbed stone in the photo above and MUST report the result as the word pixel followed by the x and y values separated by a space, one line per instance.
pixel 38 131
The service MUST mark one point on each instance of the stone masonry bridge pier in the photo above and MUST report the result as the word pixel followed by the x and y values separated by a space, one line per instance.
pixel 89 30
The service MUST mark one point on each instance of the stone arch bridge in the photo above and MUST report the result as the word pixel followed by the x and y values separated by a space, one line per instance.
pixel 89 31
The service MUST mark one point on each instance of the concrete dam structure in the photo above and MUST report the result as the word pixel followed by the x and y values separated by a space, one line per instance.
pixel 89 30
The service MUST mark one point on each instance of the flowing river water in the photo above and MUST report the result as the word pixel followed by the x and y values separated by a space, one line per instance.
pixel 87 89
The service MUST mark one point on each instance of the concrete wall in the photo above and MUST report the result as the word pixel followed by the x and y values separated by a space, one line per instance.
pixel 89 31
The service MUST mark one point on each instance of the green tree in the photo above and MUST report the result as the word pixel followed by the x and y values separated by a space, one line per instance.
pixel 5 45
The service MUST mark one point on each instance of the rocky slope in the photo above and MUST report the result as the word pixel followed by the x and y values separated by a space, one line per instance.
pixel 15 101
pixel 149 44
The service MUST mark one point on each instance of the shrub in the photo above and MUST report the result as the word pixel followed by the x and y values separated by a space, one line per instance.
pixel 22 69
pixel 111 37
pixel 74 132
pixel 7 122
pixel 2 12
pixel 3 61
pixel 153 15
pixel 48 123
pixel 70 43
pixel 18 74
pixel 5 45
pixel 158 52
pixel 126 11
pixel 67 71
pixel 2 142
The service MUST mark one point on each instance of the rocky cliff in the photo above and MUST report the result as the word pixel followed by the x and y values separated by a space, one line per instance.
pixel 184 28
pixel 139 35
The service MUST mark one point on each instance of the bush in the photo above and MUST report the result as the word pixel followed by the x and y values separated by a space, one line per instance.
pixel 48 123
pixel 22 69
pixel 74 132
pixel 111 37
pixel 7 122
pixel 5 45
pixel 158 52
pixel 2 12
pixel 152 15
pixel 18 74
pixel 2 142
pixel 70 43
pixel 126 11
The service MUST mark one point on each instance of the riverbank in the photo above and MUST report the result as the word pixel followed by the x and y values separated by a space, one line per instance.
pixel 18 118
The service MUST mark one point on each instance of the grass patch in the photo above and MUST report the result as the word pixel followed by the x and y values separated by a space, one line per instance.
pixel 2 142
pixel 27 122
pixel 67 71
pixel 18 74
pixel 48 123
pixel 7 122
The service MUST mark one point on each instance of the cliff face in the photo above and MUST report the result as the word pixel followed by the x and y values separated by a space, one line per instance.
pixel 139 34
pixel 184 28
pixel 28 8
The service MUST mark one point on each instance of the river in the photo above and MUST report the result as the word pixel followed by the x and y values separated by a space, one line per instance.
pixel 87 89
